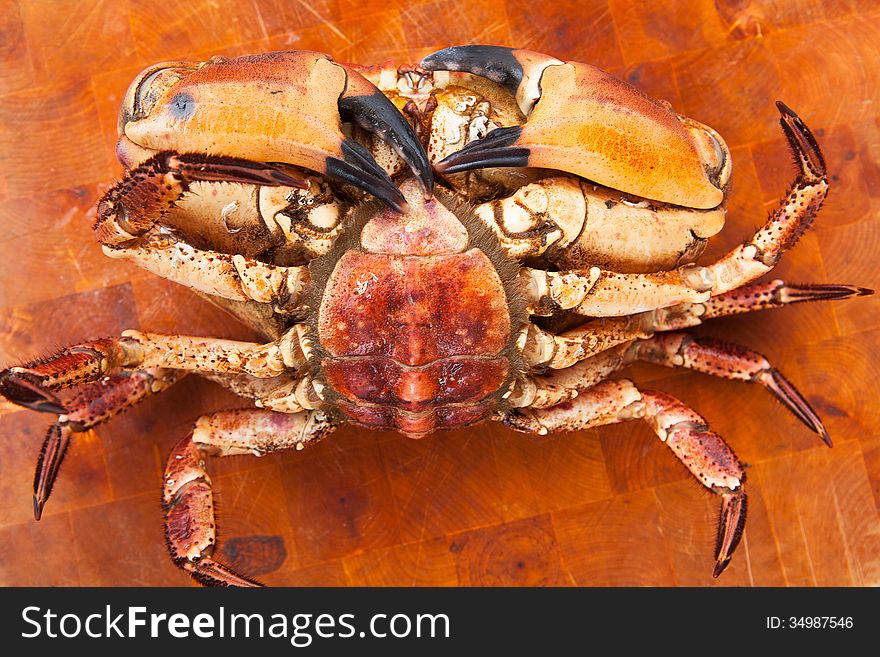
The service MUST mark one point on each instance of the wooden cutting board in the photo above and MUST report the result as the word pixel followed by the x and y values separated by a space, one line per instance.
pixel 483 506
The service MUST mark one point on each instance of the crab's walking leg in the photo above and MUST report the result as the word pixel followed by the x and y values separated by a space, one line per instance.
pixel 728 361
pixel 79 410
pixel 288 394
pixel 758 296
pixel 90 361
pixel 544 349
pixel 560 385
pixel 703 452
pixel 228 276
pixel 601 293
pixel 188 498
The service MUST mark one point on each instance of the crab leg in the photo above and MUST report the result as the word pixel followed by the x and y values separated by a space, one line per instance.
pixel 286 394
pixel 90 361
pixel 602 293
pixel 758 296
pixel 543 349
pixel 188 499
pixel 558 386
pixel 150 190
pixel 704 453
pixel 79 410
pixel 728 361
pixel 228 276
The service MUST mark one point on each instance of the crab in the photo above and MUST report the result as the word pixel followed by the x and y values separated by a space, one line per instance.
pixel 492 234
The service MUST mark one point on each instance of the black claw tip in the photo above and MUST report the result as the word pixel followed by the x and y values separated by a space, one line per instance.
pixel 38 508
pixel 496 149
pixel 495 63
pixel 378 115
pixel 361 170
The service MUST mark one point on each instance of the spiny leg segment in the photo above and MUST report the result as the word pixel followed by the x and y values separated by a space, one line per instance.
pixel 85 406
pixel 728 361
pixel 88 362
pixel 556 351
pixel 188 498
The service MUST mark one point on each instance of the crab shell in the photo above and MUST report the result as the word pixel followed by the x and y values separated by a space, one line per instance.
pixel 415 327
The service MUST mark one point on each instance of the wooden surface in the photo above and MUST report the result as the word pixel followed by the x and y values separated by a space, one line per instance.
pixel 484 506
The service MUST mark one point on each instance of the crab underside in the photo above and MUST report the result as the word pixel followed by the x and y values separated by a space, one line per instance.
pixel 492 234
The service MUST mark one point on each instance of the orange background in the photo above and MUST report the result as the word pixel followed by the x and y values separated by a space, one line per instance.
pixel 484 506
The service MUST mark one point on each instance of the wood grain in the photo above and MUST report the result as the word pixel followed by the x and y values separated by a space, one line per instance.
pixel 483 506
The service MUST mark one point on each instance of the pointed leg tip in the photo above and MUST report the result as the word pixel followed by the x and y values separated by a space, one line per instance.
pixel 209 572
pixel 803 143
pixel 720 567
pixel 794 401
pixel 38 508
pixel 730 528
pixel 864 291
pixel 785 110
pixel 195 166
pixel 26 392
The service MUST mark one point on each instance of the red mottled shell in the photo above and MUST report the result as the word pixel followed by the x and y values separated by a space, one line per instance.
pixel 415 327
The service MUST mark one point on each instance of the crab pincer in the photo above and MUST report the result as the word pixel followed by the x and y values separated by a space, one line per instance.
pixel 293 117
pixel 584 121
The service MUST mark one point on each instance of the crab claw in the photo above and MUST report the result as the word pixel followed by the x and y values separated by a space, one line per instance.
pixel 583 121
pixel 284 107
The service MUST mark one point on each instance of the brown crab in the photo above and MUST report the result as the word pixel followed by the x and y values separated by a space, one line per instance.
pixel 557 247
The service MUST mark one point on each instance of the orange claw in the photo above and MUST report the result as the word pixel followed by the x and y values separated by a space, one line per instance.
pixel 583 121
pixel 294 104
